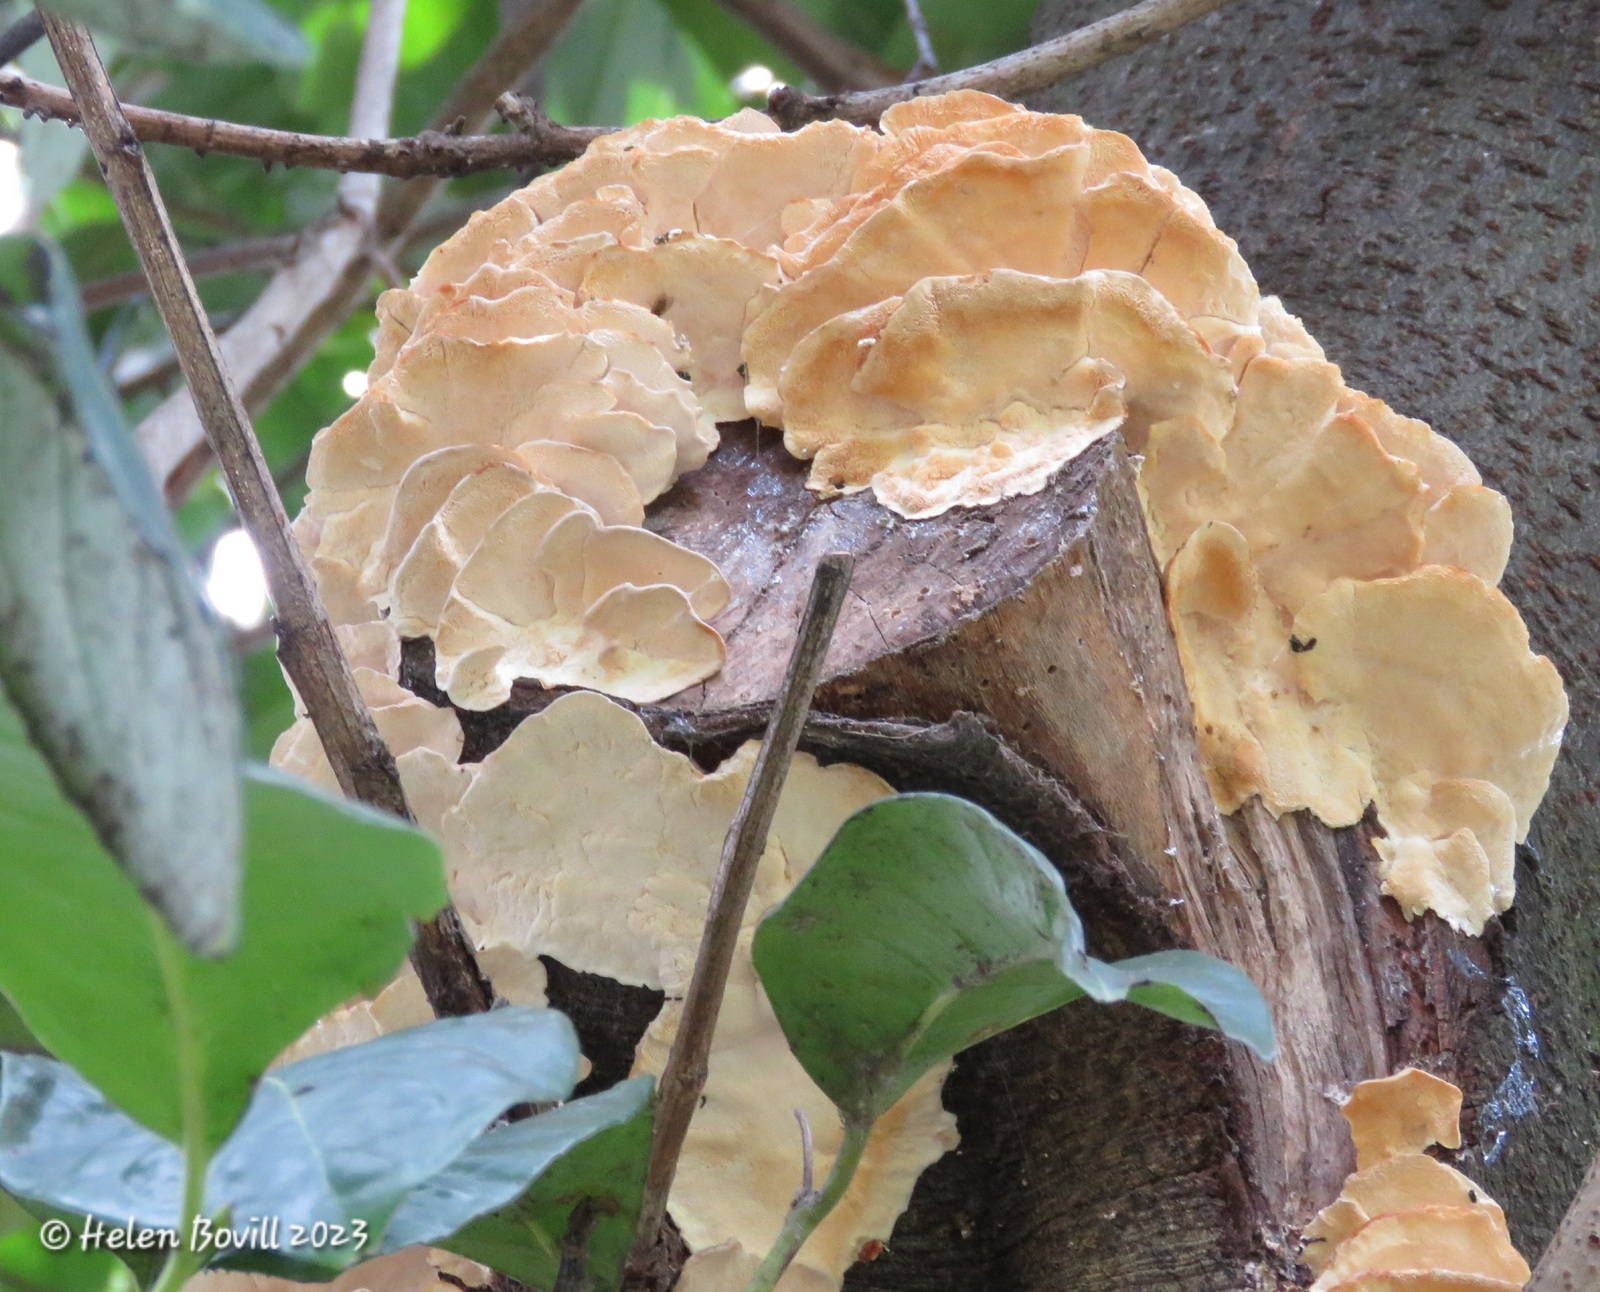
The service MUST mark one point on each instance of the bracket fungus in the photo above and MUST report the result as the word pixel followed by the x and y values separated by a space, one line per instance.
pixel 583 840
pixel 944 310
pixel 1405 1220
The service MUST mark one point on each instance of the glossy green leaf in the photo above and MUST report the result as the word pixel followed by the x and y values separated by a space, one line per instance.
pixel 63 1145
pixel 538 1170
pixel 12 1215
pixel 204 30
pixel 330 890
pixel 927 926
pixel 122 674
pixel 343 1139
pixel 14 1034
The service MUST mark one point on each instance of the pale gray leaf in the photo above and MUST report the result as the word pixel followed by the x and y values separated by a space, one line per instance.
pixel 62 1143
pixel 121 674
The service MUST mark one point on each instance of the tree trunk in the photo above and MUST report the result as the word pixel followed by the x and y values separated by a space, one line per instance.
pixel 1102 1150
pixel 1416 179
pixel 1432 229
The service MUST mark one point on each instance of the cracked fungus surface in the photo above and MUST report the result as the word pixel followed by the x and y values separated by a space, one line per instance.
pixel 942 311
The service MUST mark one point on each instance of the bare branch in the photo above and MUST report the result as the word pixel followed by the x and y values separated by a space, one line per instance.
pixel 428 155
pixel 1010 77
pixel 332 275
pixel 208 262
pixel 1572 1260
pixel 927 61
pixel 831 61
pixel 684 1076
pixel 313 294
pixel 372 104
pixel 520 44
pixel 307 646
pixel 21 36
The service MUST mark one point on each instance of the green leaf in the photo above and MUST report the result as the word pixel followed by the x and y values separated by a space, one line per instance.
pixel 14 1034
pixel 341 1139
pixel 330 890
pixel 13 1216
pixel 123 676
pixel 927 926
pixel 537 1171
pixel 623 60
pixel 218 31
pixel 26 1265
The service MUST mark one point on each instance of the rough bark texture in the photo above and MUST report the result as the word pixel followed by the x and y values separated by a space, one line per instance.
pixel 1417 181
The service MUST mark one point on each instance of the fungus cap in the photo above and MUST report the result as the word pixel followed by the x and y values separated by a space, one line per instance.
pixel 1432 1239
pixel 1405 1113
pixel 742 1158
pixel 552 595
pixel 972 389
pixel 1399 1183
pixel 585 840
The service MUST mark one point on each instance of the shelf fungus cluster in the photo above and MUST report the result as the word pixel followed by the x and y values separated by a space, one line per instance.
pixel 942 311
pixel 582 840
pixel 1405 1220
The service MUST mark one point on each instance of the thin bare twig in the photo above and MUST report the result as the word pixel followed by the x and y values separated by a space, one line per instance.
pixel 1010 77
pixel 1572 1261
pixel 307 646
pixel 927 61
pixel 429 155
pixel 684 1076
pixel 830 60
pixel 208 262
pixel 332 276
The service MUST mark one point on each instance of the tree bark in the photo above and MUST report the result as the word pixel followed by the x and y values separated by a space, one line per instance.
pixel 1417 181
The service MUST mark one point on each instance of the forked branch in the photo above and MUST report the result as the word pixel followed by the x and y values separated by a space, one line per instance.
pixel 307 645
pixel 684 1076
